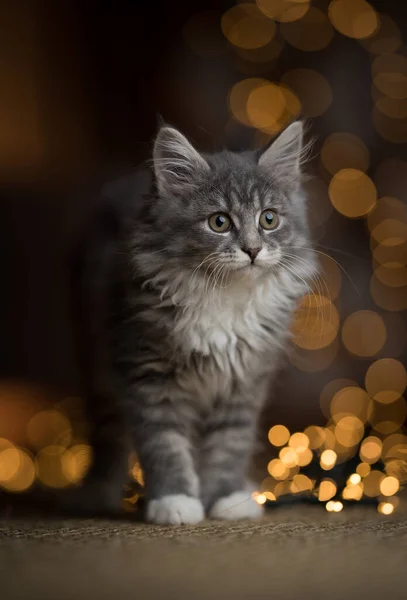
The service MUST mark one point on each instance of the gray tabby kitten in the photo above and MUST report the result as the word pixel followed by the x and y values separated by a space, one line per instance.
pixel 220 256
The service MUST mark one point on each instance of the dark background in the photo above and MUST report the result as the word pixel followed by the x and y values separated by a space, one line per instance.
pixel 82 84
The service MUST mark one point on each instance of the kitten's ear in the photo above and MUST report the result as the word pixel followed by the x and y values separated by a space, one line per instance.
pixel 284 155
pixel 177 164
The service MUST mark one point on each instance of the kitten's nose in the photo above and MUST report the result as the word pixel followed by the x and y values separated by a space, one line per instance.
pixel 252 252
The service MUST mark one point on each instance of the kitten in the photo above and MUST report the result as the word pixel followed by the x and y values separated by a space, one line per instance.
pixel 210 272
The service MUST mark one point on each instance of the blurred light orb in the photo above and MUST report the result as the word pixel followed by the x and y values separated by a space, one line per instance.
pixel 300 484
pixel 259 498
pixel 364 333
pixel 353 492
pixel 49 427
pixel 17 471
pixel 299 441
pixel 260 57
pixel 327 490
pixel 202 33
pixel 386 40
pixel 388 418
pixel 372 482
pixel 386 380
pixel 351 402
pixel 330 506
pixel 390 75
pixel 337 506
pixel 288 456
pixel 75 462
pixel 392 274
pixel 393 299
pixel 349 430
pixel 239 95
pixel 278 469
pixel 304 457
pixel 49 467
pixel 389 486
pixel 352 193
pixel 354 18
pixel 387 208
pixel 313 32
pixel 330 390
pixel 312 89
pixel 270 107
pixel 278 435
pixel 363 469
pixel 344 151
pixel 370 451
pixel 316 322
pixel 284 10
pixel 328 459
pixel 385 508
pixel 245 26
pixel 390 232
pixel 355 478
pixel 315 435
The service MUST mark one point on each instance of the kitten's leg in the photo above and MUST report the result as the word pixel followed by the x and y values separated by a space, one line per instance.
pixel 164 449
pixel 225 457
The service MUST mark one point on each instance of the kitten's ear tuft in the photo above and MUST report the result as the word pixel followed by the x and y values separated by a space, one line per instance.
pixel 284 156
pixel 177 165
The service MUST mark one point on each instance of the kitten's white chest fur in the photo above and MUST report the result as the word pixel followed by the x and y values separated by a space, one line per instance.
pixel 234 324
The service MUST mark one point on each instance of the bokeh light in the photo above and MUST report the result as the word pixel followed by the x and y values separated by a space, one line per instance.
pixel 351 402
pixel 364 333
pixel 372 482
pixel 328 459
pixel 316 322
pixel 386 380
pixel 17 472
pixel 353 18
pixel 370 451
pixel 327 490
pixel 279 435
pixel 271 106
pixel 312 89
pixel 313 32
pixel 389 73
pixel 330 390
pixel 385 508
pixel 352 193
pixel 284 10
pixel 245 26
pixel 386 40
pixel 344 151
pixel 389 486
pixel 47 428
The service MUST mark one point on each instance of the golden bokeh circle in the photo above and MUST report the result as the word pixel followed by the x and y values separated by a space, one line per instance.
pixel 387 208
pixel 239 95
pixel 349 430
pixel 344 151
pixel 386 40
pixel 388 298
pixel 327 490
pixel 245 26
pixel 284 10
pixel 389 486
pixel 354 18
pixel 313 32
pixel 390 75
pixel 315 435
pixel 330 390
pixel 352 193
pixel 386 375
pixel 278 435
pixel 364 333
pixel 371 483
pixel 312 89
pixel 49 467
pixel 351 402
pixel 49 427
pixel 20 467
pixel 316 322
pixel 270 106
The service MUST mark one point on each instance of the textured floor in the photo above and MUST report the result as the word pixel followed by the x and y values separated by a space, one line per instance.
pixel 293 553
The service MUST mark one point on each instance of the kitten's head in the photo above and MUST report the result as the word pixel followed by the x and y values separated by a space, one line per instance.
pixel 244 211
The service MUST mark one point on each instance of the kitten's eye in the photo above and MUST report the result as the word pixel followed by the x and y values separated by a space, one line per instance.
pixel 220 223
pixel 269 219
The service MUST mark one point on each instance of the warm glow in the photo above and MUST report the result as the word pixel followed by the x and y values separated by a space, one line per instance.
pixel 329 392
pixel 370 449
pixel 363 469
pixel 388 298
pixel 386 40
pixel 284 10
pixel 327 490
pixel 349 430
pixel 385 508
pixel 239 95
pixel 313 32
pixel 371 483
pixel 389 486
pixel 351 402
pixel 259 498
pixel 353 492
pixel 316 322
pixel 330 506
pixel 337 506
pixel 353 18
pixel 386 380
pixel 344 151
pixel 355 478
pixel 288 456
pixel 390 75
pixel 75 462
pixel 50 467
pixel 304 457
pixel 352 193
pixel 245 26
pixel 390 232
pixel 328 459
pixel 279 435
pixel 301 483
pixel 299 441
pixel 364 333
pixel 278 469
pixel 270 106
pixel 388 418
pixel 17 472
pixel 312 89
pixel 315 436
pixel 10 459
pixel 47 428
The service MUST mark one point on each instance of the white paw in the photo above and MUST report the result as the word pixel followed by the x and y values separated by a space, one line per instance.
pixel 176 509
pixel 239 505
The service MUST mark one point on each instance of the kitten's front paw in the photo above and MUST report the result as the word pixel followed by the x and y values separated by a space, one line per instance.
pixel 239 505
pixel 176 509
